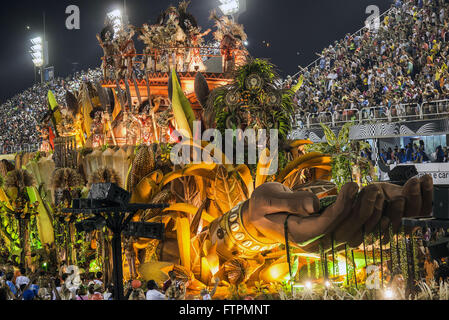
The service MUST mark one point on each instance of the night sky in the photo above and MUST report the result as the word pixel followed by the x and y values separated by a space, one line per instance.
pixel 295 29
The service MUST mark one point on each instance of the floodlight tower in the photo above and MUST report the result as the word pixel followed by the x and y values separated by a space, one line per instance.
pixel 233 7
pixel 37 53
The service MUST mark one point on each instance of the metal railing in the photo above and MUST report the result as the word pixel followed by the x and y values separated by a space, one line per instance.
pixel 375 114
pixel 11 149
pixel 314 119
pixel 403 112
pixel 346 116
pixel 435 109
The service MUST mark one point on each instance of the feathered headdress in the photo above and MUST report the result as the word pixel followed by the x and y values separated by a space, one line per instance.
pixel 72 104
pixel 161 18
pixel 186 19
pixel 105 30
pixel 105 175
pixel 19 179
pixel 66 179
pixel 182 6
pixel 144 107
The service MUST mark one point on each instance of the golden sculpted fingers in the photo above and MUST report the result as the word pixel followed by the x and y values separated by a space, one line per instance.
pixel 427 195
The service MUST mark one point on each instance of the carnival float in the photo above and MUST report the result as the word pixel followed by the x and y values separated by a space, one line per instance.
pixel 319 218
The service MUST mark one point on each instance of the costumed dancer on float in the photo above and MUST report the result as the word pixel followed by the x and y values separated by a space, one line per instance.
pixel 98 128
pixel 195 61
pixel 178 40
pixel 128 51
pixel 106 42
pixel 231 37
pixel 146 124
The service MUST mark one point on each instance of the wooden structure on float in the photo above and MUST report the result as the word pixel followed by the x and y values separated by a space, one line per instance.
pixel 158 84
pixel 154 84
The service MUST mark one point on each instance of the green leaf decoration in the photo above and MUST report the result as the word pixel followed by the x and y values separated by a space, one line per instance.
pixel 54 109
pixel 44 223
pixel 182 109
pixel 295 267
pixel 343 136
pixel 330 135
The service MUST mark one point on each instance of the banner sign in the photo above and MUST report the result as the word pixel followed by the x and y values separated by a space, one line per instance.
pixel 438 171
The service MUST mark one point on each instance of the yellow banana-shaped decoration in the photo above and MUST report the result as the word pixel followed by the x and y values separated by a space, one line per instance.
pixel 299 143
pixel 183 236
pixel 297 162
pixel 245 174
pixel 44 223
pixel 203 170
pixel 190 210
pixel 262 167
pixel 144 191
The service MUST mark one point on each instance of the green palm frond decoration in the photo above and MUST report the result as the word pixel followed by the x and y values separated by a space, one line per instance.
pixel 347 163
pixel 256 66
pixel 253 108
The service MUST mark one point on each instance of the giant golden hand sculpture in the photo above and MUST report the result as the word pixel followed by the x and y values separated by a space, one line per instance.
pixel 258 224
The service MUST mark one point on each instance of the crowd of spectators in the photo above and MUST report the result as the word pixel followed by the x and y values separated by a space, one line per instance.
pixel 411 153
pixel 395 67
pixel 20 115
pixel 19 283
pixel 402 62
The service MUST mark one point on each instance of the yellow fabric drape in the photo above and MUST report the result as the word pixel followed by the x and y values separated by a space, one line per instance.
pixel 117 106
pixel 86 109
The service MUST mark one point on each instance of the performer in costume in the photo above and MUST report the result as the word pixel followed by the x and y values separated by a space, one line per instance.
pixel 106 42
pixel 231 37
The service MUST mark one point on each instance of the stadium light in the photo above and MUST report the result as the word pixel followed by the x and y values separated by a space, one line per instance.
pixel 229 7
pixel 37 52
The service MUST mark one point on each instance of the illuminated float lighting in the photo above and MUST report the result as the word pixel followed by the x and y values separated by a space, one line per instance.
pixel 388 294
pixel 327 284
pixel 188 86
pixel 308 285
pixel 213 261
